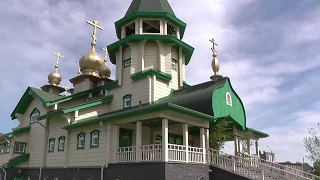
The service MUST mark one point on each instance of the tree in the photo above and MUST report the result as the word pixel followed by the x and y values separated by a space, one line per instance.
pixel 218 136
pixel 316 167
pixel 247 141
pixel 312 145
pixel 307 168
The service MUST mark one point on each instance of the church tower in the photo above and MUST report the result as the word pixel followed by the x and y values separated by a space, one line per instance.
pixel 150 54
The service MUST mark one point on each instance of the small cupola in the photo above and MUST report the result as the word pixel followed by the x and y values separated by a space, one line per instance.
pixel 54 78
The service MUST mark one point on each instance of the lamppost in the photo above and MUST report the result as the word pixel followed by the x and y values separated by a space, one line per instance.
pixel 271 153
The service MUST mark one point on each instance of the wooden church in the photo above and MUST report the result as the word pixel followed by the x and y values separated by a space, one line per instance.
pixel 147 123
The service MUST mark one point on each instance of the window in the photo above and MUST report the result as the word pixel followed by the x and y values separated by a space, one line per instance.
pixel 19 148
pixel 7 150
pixel 51 144
pixel 61 143
pixel 151 26
pixel 171 30
pixel 56 178
pixel 174 64
pixel 130 29
pixel 228 99
pixel 29 177
pixel 2 148
pixel 34 116
pixel 127 62
pixel 175 139
pixel 81 140
pixel 127 101
pixel 94 142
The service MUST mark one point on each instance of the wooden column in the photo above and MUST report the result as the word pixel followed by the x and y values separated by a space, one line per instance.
pixel 257 148
pixel 236 145
pixel 116 141
pixel 138 140
pixel 165 137
pixel 203 144
pixel 186 140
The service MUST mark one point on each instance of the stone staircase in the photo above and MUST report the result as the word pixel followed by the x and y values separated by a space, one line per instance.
pixel 255 168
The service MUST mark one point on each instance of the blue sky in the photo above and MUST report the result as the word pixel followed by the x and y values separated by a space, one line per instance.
pixel 269 49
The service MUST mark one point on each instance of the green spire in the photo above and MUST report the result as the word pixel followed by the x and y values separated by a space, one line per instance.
pixel 150 6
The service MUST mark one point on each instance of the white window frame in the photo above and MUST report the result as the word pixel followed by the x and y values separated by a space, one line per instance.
pixel 51 144
pixel 61 143
pixel 34 116
pixel 81 140
pixel 228 99
pixel 18 146
pixel 95 135
pixel 2 148
pixel 7 148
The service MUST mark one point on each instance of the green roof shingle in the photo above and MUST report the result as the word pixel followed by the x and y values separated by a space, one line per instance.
pixel 150 6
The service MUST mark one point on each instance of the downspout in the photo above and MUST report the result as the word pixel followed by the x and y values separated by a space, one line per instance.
pixel 5 174
pixel 44 148
pixel 106 163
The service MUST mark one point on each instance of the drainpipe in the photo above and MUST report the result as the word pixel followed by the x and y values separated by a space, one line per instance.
pixel 5 174
pixel 44 148
pixel 106 163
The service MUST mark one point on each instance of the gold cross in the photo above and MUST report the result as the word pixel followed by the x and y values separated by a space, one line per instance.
pixel 214 44
pixel 57 60
pixel 105 53
pixel 95 26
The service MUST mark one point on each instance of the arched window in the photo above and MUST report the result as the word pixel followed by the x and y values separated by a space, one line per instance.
pixel 81 140
pixel 34 116
pixel 127 101
pixel 94 141
pixel 228 99
pixel 61 143
pixel 51 144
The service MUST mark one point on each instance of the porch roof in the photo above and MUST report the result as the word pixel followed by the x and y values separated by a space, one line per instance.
pixel 138 111
pixel 258 134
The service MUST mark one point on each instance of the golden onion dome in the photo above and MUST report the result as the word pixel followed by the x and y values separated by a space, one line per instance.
pixel 104 71
pixel 54 78
pixel 91 63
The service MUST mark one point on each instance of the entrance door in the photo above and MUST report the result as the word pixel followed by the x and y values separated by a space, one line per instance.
pixel 125 138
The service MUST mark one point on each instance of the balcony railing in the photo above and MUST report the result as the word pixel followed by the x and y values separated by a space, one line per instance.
pixel 154 152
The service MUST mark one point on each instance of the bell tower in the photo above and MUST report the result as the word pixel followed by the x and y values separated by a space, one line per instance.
pixel 150 48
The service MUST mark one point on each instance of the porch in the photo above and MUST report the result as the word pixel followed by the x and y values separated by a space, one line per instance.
pixel 160 140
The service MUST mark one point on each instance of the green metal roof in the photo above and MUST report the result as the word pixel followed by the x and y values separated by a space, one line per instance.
pixel 77 107
pixel 17 160
pixel 28 96
pixel 49 99
pixel 150 6
pixel 197 97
